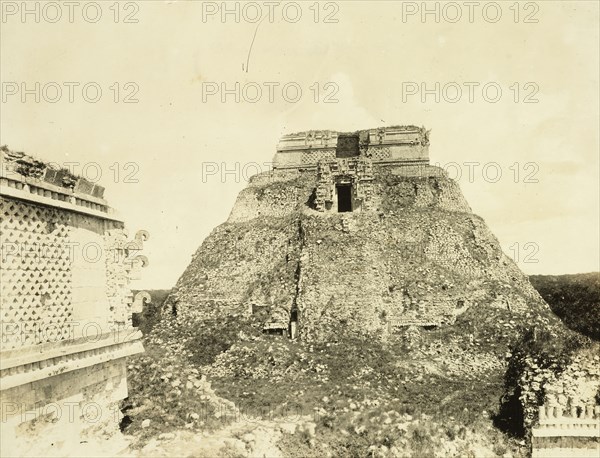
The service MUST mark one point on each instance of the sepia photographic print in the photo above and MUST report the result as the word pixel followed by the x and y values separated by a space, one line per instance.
pixel 300 229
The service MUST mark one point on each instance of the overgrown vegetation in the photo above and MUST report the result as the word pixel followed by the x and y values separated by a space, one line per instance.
pixel 574 298
pixel 364 395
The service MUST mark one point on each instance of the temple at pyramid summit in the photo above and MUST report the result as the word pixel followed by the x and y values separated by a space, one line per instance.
pixel 344 161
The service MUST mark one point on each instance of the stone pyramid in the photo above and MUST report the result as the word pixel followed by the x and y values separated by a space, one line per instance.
pixel 351 233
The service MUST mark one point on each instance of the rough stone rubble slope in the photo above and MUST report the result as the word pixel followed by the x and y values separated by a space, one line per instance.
pixel 419 257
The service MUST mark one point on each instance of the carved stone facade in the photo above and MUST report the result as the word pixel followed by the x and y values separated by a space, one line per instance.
pixel 385 145
pixel 356 173
pixel 65 306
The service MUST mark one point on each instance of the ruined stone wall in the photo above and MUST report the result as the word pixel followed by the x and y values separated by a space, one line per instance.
pixel 398 187
pixel 65 306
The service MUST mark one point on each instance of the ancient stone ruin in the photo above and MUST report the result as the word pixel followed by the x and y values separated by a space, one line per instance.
pixel 65 309
pixel 351 232
pixel 568 421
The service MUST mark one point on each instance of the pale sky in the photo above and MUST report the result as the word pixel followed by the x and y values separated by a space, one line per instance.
pixel 374 58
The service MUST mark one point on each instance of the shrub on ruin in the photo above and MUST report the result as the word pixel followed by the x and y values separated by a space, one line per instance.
pixel 537 360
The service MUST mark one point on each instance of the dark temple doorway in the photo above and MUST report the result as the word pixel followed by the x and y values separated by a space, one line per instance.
pixel 344 197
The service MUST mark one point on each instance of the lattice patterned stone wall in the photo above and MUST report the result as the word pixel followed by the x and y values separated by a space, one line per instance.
pixel 379 153
pixel 36 273
pixel 311 157
pixel 47 265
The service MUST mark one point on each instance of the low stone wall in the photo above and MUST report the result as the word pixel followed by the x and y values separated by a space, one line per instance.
pixel 578 422
pixel 574 434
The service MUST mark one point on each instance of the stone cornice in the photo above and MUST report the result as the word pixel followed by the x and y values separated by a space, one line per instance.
pixel 314 140
pixel 44 193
